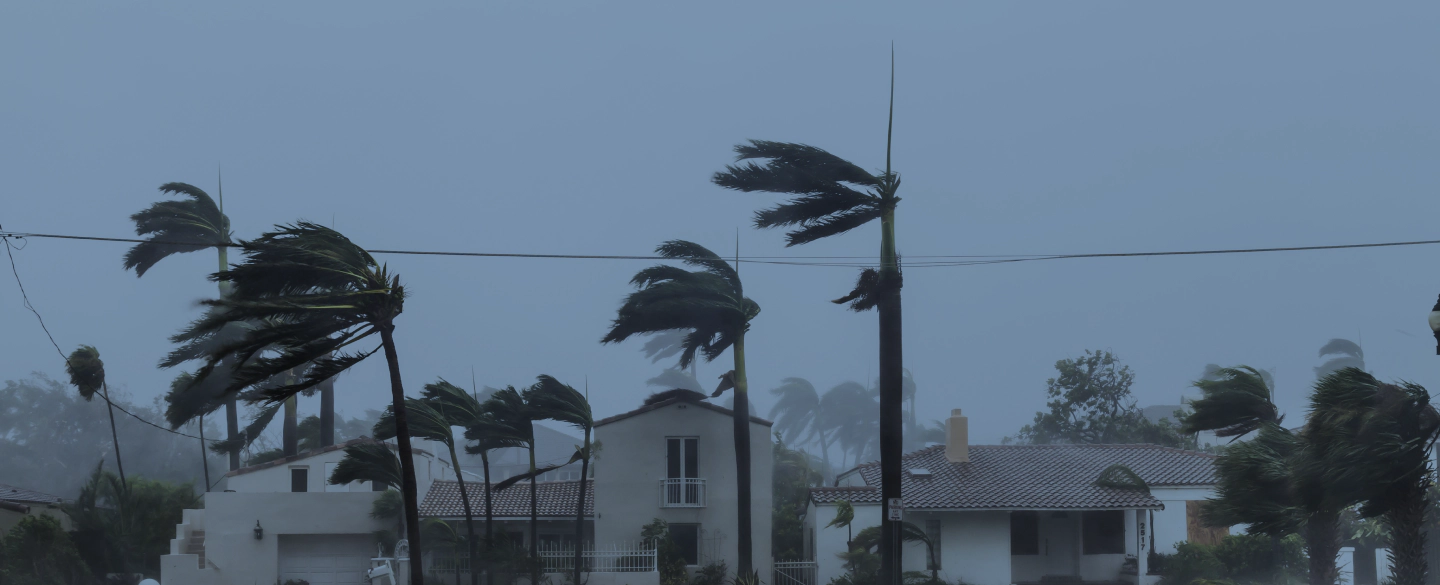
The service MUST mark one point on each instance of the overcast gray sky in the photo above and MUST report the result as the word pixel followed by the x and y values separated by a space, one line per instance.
pixel 592 128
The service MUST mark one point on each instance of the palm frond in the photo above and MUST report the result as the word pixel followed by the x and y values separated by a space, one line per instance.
pixel 373 462
pixel 674 378
pixel 423 420
pixel 458 407
pixel 507 422
pixel 176 227
pixel 550 399
pixel 1120 476
pixel 257 425
pixel 796 410
pixel 86 370
pixel 1236 402
pixel 681 393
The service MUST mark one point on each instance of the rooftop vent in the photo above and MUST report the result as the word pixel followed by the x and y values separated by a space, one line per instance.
pixel 919 472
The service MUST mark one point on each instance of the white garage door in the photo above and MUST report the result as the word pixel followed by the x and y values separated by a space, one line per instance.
pixel 326 559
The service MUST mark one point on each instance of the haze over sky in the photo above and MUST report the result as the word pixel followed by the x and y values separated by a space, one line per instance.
pixel 593 128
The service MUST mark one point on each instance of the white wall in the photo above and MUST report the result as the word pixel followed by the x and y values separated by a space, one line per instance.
pixel 632 463
pixel 230 544
pixel 1169 526
pixel 974 546
pixel 830 542
pixel 318 467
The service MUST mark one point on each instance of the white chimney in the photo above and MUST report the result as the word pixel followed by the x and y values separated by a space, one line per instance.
pixel 957 438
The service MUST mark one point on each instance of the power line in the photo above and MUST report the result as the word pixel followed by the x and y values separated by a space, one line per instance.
pixel 103 396
pixel 926 261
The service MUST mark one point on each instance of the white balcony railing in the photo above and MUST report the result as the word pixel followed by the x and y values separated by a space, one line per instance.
pixel 684 492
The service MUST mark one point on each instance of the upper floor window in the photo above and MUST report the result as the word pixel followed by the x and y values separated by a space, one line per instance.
pixel 299 479
pixel 682 457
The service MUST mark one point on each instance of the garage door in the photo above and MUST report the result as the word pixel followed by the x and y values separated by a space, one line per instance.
pixel 326 559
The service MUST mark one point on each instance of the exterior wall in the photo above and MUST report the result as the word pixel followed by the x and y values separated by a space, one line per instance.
pixel 277 479
pixel 1170 524
pixel 830 542
pixel 974 546
pixel 629 469
pixel 232 553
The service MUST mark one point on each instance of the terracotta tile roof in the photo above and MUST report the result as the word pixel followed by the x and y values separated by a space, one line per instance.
pixel 664 403
pixel 23 496
pixel 314 452
pixel 554 498
pixel 1030 477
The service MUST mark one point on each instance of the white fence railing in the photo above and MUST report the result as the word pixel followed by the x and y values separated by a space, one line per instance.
pixel 622 558
pixel 682 492
pixel 795 573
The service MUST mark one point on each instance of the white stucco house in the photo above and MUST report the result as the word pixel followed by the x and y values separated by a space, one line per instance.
pixel 280 520
pixel 1004 514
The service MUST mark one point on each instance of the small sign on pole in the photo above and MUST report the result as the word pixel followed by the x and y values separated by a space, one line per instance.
pixel 894 509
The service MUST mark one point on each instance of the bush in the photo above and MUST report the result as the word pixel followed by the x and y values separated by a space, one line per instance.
pixel 1241 559
pixel 711 574
pixel 39 552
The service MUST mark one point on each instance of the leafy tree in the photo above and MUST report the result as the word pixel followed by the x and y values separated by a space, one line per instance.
pixel 711 306
pixel 1346 354
pixel 830 196
pixel 38 551
pixel 125 528
pixel 1090 403
pixel 312 294
pixel 669 559
pixel 176 227
pixel 87 374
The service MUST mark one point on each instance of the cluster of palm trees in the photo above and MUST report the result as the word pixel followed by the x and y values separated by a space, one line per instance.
pixel 842 417
pixel 1364 443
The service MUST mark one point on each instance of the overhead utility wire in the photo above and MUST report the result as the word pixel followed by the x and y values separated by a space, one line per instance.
pixel 26 298
pixel 938 260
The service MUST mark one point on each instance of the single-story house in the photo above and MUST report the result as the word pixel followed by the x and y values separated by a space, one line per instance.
pixel 1003 514
pixel 17 503
pixel 280 520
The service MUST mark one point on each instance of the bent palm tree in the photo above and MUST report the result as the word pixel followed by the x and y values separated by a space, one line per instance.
pixel 830 196
pixel 489 433
pixel 459 409
pixel 798 414
pixel 312 294
pixel 87 374
pixel 710 304
pixel 1236 401
pixel 176 227
pixel 514 417
pixel 562 403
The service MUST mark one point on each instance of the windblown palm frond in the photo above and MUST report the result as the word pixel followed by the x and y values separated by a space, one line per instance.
pixel 425 422
pixel 675 378
pixel 86 370
pixel 1236 402
pixel 796 411
pixel 506 422
pixel 1255 486
pixel 554 400
pixel 665 344
pixel 830 195
pixel 373 462
pixel 258 423
pixel 457 406
pixel 1120 476
pixel 176 227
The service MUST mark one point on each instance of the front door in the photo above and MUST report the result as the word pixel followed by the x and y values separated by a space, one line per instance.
pixel 1060 532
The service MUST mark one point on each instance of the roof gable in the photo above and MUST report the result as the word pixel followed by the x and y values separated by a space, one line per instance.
pixel 664 403
pixel 313 453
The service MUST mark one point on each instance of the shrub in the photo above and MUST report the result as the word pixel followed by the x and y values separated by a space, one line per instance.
pixel 1241 559
pixel 711 574
pixel 37 551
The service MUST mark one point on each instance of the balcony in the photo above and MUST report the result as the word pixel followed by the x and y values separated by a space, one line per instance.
pixel 687 492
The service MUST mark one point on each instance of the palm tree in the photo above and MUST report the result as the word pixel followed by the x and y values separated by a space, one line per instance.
pixel 1348 354
pixel 710 304
pixel 799 414
pixel 459 409
pixel 489 432
pixel 176 227
pixel 844 516
pixel 376 463
pixel 514 418
pixel 312 294
pixel 432 421
pixel 1377 438
pixel 830 196
pixel 87 374
pixel 1235 402
pixel 562 403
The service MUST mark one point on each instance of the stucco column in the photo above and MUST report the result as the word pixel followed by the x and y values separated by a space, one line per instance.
pixel 1141 544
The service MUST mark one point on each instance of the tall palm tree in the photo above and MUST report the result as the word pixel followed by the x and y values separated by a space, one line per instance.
pixel 176 227
pixel 460 410
pixel 431 420
pixel 563 403
pixel 799 415
pixel 830 196
pixel 711 306
pixel 490 432
pixel 312 293
pixel 1377 438
pixel 514 417
pixel 87 374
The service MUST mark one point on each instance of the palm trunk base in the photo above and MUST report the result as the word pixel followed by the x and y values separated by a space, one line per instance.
pixel 1408 565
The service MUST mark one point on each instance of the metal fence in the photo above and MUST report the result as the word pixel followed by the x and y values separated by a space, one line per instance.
pixel 795 573
pixel 682 492
pixel 621 558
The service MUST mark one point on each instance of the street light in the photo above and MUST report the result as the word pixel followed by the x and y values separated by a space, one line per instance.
pixel 1435 324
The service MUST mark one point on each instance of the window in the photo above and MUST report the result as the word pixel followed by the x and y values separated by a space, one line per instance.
pixel 1024 533
pixel 682 458
pixel 932 553
pixel 299 479
pixel 1103 533
pixel 687 536
pixel 378 486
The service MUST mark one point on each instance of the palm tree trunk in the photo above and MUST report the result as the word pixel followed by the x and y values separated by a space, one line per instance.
pixel 289 438
pixel 742 461
pixel 489 517
pixel 327 413
pixel 469 515
pixel 892 380
pixel 407 463
pixel 115 436
pixel 232 430
pixel 1322 544
pixel 580 508
pixel 1407 538
pixel 534 524
pixel 204 461
pixel 825 456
